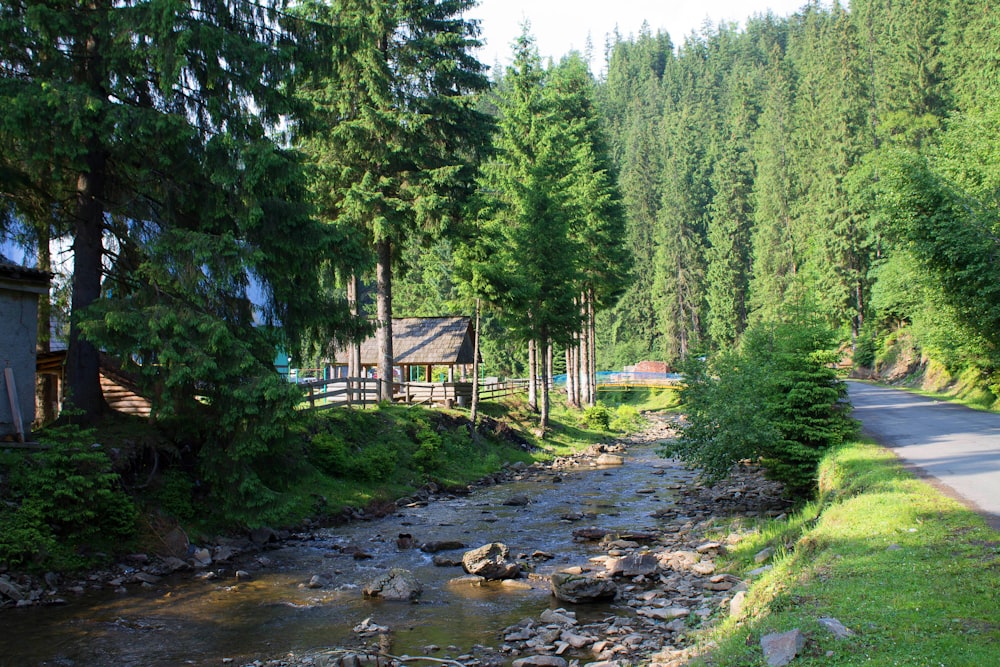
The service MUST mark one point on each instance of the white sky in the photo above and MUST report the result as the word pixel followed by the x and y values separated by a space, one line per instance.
pixel 560 26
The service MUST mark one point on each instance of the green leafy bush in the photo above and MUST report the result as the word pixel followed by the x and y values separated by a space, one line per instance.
pixel 597 417
pixel 65 508
pixel 776 399
pixel 627 419
pixel 331 453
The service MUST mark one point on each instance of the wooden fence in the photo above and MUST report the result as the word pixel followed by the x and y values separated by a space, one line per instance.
pixel 350 392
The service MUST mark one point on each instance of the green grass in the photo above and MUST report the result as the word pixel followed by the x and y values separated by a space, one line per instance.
pixel 913 573
pixel 651 399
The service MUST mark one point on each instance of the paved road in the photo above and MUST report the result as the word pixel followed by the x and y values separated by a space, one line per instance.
pixel 956 446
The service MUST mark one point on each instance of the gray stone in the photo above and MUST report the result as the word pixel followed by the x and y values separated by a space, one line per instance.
pixel 11 590
pixel 517 501
pixel 581 588
pixel 633 565
pixel 558 616
pixel 782 647
pixel 540 661
pixel 263 535
pixel 736 603
pixel 444 545
pixel 147 578
pixel 763 555
pixel 609 460
pixel 836 628
pixel 396 584
pixel 317 581
pixel 664 613
pixel 491 562
pixel 202 557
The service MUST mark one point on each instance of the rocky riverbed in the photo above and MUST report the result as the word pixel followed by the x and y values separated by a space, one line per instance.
pixel 633 600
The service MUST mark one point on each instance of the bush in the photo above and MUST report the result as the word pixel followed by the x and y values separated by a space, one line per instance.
pixel 776 399
pixel 65 509
pixel 597 417
pixel 627 419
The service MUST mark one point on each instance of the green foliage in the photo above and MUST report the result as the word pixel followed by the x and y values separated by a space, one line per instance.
pixel 776 399
pixel 66 508
pixel 597 417
pixel 627 420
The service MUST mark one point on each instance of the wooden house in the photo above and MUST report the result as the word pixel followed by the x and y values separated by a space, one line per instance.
pixel 20 288
pixel 419 344
pixel 422 342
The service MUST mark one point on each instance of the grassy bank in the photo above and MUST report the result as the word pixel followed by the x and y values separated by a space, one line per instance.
pixel 913 573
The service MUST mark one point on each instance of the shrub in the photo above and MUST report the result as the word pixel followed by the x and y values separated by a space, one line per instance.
pixel 65 507
pixel 597 417
pixel 776 399
pixel 627 419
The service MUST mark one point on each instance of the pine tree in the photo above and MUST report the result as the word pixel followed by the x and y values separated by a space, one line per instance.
pixel 398 130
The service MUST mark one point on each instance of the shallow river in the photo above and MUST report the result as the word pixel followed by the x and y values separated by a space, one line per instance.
pixel 183 620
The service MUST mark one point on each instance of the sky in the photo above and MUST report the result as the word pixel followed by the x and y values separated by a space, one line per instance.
pixel 560 26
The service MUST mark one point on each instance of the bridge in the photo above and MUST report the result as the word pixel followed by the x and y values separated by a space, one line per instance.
pixel 623 381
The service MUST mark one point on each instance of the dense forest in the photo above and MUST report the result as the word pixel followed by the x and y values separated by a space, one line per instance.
pixel 845 155
pixel 228 178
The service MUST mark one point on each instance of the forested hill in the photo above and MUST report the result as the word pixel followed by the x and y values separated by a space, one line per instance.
pixel 846 155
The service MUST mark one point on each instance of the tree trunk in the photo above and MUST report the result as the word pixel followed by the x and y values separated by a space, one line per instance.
pixel 355 390
pixel 591 349
pixel 47 389
pixel 570 379
pixel 474 411
pixel 532 377
pixel 584 368
pixel 383 272
pixel 83 366
pixel 545 346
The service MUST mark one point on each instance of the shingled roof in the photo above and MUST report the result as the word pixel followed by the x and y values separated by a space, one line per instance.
pixel 16 272
pixel 421 341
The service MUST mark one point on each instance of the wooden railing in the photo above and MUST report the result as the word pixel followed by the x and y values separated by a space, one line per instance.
pixel 361 392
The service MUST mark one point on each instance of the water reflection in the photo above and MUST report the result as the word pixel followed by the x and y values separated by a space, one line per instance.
pixel 198 622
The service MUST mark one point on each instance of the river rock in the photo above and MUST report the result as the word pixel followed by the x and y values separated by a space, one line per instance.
pixel 396 584
pixel 490 561
pixel 781 648
pixel 202 557
pixel 664 613
pixel 540 661
pixel 558 616
pixel 445 561
pixel 581 588
pixel 263 535
pixel 609 460
pixel 442 545
pixel 11 590
pixel 517 501
pixel 633 565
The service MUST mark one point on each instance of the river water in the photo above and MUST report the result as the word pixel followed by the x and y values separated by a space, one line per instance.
pixel 189 621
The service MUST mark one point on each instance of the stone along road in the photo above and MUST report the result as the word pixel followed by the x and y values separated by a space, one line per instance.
pixel 954 445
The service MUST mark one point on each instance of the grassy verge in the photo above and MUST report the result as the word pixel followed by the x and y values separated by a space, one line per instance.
pixel 913 573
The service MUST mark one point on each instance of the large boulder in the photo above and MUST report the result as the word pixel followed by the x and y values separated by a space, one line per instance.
pixel 396 584
pixel 491 561
pixel 580 588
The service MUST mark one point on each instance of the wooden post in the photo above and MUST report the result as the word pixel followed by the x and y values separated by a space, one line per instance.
pixel 15 404
pixel 474 409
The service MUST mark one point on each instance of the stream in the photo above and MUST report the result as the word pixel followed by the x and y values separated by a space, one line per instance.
pixel 186 620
